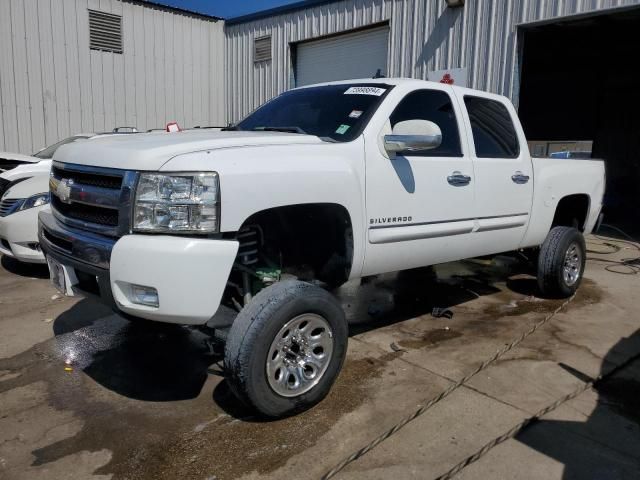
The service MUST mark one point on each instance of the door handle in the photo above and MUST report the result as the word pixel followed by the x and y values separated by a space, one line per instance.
pixel 458 179
pixel 520 178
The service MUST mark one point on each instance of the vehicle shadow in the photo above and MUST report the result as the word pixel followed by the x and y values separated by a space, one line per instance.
pixel 607 444
pixel 143 361
pixel 394 298
pixel 32 270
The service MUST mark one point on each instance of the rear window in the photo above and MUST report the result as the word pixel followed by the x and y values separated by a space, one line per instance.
pixel 494 134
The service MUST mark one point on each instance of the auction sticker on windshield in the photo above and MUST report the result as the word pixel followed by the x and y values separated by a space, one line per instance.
pixel 365 91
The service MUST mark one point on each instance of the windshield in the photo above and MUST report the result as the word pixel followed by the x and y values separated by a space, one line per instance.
pixel 51 149
pixel 336 112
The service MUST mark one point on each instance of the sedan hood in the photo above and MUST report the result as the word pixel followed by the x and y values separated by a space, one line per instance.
pixel 152 150
pixel 29 187
pixel 9 160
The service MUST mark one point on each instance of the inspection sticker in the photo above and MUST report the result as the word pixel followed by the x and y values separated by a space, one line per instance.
pixel 365 91
pixel 342 129
pixel 355 114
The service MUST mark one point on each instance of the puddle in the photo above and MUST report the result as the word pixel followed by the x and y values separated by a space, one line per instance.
pixel 430 338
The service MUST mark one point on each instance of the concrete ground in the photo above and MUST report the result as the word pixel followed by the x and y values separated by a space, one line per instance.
pixel 85 394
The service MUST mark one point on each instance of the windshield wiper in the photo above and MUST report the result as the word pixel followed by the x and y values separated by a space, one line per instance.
pixel 281 129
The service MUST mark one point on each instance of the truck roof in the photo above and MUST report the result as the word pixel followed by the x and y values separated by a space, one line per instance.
pixel 410 82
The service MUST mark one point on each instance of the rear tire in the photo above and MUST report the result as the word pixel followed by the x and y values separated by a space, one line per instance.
pixel 286 348
pixel 561 262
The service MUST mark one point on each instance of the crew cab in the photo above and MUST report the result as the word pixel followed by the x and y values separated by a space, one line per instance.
pixel 320 185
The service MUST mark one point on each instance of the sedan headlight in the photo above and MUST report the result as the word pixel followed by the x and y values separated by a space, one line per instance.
pixel 35 201
pixel 177 202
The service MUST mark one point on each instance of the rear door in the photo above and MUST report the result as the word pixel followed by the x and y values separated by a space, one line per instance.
pixel 503 171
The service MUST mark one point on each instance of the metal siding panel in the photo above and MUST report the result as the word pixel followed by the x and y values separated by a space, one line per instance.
pixel 117 8
pixel 158 61
pixel 34 77
pixel 58 26
pixel 108 85
pixel 179 68
pixel 187 119
pixel 129 73
pixel 197 71
pixel 72 73
pixel 84 62
pixel 9 117
pixel 150 88
pixel 139 68
pixel 168 67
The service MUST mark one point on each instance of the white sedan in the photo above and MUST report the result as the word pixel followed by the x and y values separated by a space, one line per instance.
pixel 24 187
pixel 19 208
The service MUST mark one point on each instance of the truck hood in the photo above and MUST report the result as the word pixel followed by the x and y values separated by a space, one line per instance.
pixel 152 150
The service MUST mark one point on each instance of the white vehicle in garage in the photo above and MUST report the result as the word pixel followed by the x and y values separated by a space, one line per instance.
pixel 322 184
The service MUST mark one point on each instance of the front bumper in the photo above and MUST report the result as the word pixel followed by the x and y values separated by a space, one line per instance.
pixel 19 235
pixel 189 274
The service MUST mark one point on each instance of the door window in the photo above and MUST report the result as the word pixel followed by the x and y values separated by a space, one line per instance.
pixel 435 106
pixel 494 134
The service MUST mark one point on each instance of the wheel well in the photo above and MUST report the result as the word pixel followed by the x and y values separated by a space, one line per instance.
pixel 572 211
pixel 311 241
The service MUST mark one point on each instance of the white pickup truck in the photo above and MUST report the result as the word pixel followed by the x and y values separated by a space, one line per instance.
pixel 320 185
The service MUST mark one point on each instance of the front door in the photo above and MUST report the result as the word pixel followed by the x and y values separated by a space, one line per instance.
pixel 420 204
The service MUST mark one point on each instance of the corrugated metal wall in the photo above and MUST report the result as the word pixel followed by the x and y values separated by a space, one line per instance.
pixel 52 86
pixel 425 35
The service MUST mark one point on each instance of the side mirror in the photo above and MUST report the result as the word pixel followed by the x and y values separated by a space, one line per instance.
pixel 413 136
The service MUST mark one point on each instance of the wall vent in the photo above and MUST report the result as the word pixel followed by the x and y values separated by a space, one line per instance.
pixel 105 31
pixel 262 49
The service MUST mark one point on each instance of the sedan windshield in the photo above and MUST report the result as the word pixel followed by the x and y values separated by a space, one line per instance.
pixel 335 112
pixel 51 149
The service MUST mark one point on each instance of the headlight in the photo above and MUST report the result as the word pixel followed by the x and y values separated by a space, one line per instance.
pixel 177 202
pixel 35 201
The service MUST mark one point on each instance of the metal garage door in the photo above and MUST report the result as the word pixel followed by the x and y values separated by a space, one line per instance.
pixel 352 55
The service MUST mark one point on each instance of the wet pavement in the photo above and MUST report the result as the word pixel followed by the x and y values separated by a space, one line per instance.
pixel 86 394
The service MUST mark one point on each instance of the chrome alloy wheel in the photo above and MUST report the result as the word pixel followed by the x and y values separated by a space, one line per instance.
pixel 571 270
pixel 299 355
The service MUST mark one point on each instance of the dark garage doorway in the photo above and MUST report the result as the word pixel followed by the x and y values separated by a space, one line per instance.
pixel 581 82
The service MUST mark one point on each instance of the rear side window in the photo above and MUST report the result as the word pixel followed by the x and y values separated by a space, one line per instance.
pixel 435 106
pixel 494 134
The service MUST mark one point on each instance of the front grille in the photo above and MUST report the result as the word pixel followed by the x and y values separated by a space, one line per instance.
pixel 95 199
pixel 8 206
pixel 113 182
pixel 87 213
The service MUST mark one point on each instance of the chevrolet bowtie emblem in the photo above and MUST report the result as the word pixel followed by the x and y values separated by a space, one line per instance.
pixel 63 190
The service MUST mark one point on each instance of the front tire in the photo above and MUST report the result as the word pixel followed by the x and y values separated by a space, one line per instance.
pixel 561 262
pixel 286 348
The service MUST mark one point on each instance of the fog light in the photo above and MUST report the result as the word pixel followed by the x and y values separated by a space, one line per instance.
pixel 145 295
